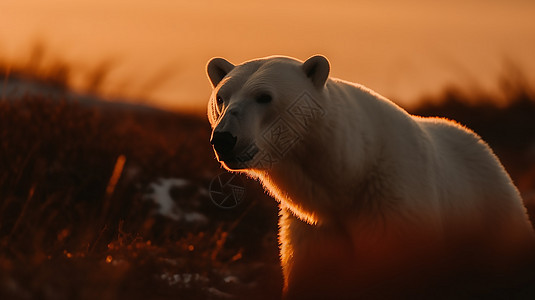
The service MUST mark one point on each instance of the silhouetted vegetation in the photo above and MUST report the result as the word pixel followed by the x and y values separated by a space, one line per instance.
pixel 55 74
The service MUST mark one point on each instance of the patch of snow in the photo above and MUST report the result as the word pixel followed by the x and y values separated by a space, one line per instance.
pixel 167 207
pixel 231 279
pixel 184 280
pixel 204 192
pixel 195 217
pixel 161 195
pixel 16 88
pixel 220 294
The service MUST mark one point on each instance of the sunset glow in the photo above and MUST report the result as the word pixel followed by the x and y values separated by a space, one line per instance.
pixel 401 49
pixel 127 173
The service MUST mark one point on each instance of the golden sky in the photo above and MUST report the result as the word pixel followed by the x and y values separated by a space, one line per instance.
pixel 401 49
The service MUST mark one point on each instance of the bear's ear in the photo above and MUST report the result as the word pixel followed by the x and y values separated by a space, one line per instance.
pixel 217 68
pixel 317 69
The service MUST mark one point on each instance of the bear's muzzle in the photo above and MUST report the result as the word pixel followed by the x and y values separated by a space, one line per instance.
pixel 223 143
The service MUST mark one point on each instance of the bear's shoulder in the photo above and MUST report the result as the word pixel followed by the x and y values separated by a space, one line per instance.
pixel 446 128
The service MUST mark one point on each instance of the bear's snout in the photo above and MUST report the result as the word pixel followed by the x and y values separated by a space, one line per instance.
pixel 223 143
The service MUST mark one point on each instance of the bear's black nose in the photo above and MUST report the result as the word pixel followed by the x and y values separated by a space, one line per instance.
pixel 223 142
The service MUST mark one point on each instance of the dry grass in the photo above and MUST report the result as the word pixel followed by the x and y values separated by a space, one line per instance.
pixel 65 234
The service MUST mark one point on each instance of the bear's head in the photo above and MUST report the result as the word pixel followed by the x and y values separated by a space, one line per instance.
pixel 262 110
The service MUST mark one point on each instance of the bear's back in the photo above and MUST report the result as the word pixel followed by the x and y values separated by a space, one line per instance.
pixel 476 190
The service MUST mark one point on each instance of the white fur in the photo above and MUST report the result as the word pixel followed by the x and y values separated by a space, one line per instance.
pixel 368 189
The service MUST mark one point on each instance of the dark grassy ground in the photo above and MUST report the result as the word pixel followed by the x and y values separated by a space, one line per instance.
pixel 64 234
pixel 67 231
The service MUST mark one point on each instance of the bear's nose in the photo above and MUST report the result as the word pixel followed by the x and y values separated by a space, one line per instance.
pixel 223 142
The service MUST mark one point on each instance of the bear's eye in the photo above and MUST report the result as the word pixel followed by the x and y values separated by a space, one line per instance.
pixel 219 100
pixel 263 98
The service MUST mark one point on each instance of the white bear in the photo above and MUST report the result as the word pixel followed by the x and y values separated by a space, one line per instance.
pixel 374 202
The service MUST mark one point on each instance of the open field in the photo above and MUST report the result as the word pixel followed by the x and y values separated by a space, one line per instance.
pixel 67 230
pixel 80 184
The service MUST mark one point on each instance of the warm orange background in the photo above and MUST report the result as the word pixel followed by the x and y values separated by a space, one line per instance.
pixel 402 49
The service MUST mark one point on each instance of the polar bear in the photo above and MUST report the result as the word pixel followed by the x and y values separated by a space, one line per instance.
pixel 374 202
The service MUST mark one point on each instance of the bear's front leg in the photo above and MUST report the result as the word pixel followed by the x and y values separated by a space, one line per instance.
pixel 317 261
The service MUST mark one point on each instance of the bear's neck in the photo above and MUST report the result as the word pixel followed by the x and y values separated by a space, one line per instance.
pixel 348 171
pixel 316 198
